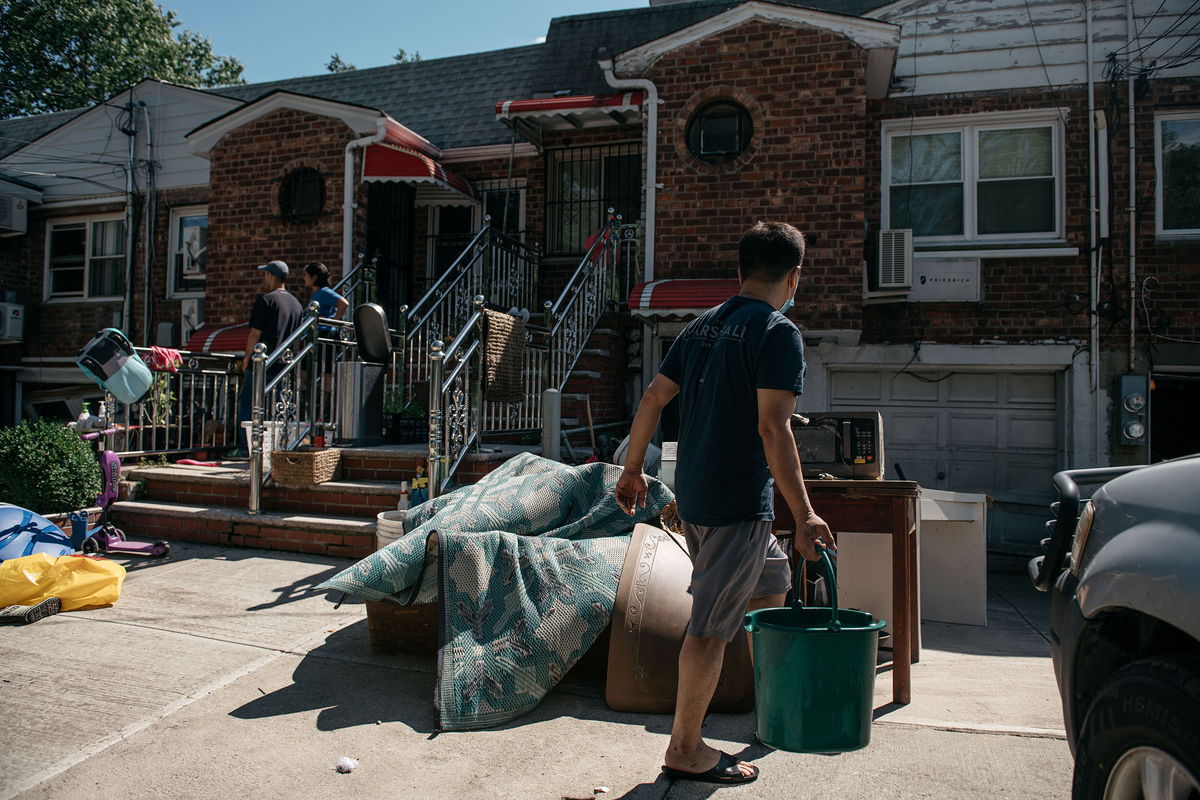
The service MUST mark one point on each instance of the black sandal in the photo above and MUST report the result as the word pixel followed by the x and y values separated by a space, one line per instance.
pixel 725 772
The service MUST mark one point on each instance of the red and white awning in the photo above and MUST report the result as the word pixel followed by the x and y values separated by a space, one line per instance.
pixel 436 185
pixel 219 338
pixel 680 297
pixel 572 112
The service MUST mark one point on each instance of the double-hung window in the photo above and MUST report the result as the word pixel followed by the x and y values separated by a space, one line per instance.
pixel 189 244
pixel 986 178
pixel 1177 157
pixel 85 259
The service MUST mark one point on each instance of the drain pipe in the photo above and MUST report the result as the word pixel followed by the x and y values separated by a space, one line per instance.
pixel 1132 209
pixel 652 102
pixel 348 204
pixel 130 219
pixel 1094 249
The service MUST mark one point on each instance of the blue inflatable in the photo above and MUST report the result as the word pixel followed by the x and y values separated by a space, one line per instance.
pixel 23 533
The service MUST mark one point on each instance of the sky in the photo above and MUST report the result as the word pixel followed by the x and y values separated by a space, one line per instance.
pixel 275 39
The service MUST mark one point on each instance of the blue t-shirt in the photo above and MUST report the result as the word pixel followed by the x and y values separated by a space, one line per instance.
pixel 327 299
pixel 720 361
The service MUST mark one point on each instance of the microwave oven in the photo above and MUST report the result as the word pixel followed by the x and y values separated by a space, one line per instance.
pixel 844 444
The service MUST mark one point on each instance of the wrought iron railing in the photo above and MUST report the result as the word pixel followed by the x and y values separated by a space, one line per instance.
pixel 494 265
pixel 594 286
pixel 455 399
pixel 187 410
pixel 358 285
pixel 294 392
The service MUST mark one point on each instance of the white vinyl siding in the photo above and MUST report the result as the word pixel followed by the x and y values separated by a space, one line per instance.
pixel 988 177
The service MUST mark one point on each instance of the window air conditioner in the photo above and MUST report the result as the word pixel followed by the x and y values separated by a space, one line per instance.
pixel 14 215
pixel 895 259
pixel 12 322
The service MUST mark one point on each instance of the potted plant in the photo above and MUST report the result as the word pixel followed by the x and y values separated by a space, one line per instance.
pixel 405 421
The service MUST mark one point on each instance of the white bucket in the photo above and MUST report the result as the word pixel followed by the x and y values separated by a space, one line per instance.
pixel 389 526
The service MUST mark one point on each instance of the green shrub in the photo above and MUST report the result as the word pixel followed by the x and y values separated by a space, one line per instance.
pixel 46 468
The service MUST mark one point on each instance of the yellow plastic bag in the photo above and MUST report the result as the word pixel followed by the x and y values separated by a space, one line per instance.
pixel 80 581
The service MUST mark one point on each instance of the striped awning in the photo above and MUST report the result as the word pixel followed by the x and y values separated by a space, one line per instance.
pixel 680 297
pixel 219 338
pixel 436 185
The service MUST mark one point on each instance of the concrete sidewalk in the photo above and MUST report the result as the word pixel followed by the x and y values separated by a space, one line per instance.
pixel 221 673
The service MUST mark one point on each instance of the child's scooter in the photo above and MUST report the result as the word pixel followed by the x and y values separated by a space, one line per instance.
pixel 107 538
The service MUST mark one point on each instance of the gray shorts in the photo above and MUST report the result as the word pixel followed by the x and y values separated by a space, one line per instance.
pixel 731 564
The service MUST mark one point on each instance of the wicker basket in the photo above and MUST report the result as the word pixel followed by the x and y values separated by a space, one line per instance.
pixel 299 468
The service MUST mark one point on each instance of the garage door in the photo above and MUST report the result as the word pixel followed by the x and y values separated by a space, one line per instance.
pixel 995 433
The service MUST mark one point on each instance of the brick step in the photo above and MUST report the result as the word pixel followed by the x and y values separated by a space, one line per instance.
pixel 221 525
pixel 230 486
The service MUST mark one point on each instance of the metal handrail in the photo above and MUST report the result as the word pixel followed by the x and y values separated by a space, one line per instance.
pixel 604 239
pixel 450 277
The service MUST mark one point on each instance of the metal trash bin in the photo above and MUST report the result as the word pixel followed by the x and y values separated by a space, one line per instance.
pixel 359 404
pixel 360 383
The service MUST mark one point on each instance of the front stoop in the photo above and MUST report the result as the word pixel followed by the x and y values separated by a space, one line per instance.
pixel 221 525
pixel 335 518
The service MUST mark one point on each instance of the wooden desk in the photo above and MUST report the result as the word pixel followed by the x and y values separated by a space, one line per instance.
pixel 885 507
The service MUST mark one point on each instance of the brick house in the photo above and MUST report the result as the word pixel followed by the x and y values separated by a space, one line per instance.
pixel 963 171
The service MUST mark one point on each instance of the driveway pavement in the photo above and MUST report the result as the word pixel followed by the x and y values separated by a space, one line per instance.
pixel 220 673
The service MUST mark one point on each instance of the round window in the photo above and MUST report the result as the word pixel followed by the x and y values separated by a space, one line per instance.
pixel 719 132
pixel 302 196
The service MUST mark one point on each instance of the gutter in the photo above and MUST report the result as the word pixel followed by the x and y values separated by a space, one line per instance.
pixel 652 102
pixel 348 204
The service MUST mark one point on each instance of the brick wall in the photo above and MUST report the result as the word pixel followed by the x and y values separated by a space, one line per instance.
pixel 1036 299
pixel 245 225
pixel 805 91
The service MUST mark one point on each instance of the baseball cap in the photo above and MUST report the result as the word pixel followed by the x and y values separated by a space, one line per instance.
pixel 276 268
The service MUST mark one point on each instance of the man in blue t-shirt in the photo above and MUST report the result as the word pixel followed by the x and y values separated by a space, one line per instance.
pixel 737 370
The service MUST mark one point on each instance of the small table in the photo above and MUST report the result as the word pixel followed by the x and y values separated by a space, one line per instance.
pixel 882 507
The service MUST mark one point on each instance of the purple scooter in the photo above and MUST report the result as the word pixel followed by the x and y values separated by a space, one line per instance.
pixel 107 538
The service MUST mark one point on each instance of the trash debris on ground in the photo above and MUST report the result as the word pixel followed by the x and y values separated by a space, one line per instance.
pixel 345 764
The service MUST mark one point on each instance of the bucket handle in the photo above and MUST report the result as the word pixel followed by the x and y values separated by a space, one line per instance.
pixel 831 576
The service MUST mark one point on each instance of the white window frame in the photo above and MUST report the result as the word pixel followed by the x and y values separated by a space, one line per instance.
pixel 177 215
pixel 969 126
pixel 1160 232
pixel 87 222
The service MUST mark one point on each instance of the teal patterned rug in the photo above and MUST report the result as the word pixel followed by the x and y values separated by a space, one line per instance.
pixel 525 563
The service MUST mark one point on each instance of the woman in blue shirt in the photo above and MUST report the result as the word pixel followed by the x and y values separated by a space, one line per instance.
pixel 316 278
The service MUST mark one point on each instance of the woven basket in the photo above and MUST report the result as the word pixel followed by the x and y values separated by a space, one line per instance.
pixel 299 468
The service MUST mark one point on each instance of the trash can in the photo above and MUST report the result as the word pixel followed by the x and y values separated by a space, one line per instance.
pixel 359 404
pixel 360 383
pixel 814 674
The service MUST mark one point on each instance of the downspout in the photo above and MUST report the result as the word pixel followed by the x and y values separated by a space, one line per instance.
pixel 1094 249
pixel 1132 209
pixel 348 186
pixel 127 301
pixel 148 231
pixel 606 66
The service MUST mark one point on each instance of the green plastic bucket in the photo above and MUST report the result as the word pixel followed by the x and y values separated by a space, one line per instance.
pixel 814 674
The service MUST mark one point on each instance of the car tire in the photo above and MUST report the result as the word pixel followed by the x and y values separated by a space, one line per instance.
pixel 1145 709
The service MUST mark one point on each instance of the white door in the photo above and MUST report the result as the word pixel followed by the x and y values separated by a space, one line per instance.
pixel 994 433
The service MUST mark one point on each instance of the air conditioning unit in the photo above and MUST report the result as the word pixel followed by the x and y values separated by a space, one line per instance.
pixel 895 259
pixel 14 215
pixel 12 322
pixel 191 313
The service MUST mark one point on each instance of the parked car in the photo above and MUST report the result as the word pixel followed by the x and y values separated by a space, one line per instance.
pixel 1124 571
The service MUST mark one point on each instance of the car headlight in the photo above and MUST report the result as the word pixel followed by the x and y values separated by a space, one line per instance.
pixel 1082 528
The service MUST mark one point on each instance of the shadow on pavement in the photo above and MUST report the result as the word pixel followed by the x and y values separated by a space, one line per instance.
pixel 350 693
